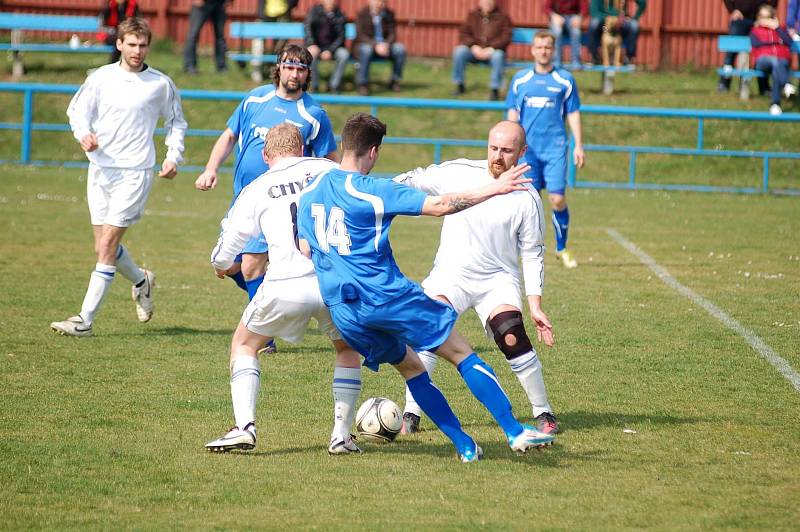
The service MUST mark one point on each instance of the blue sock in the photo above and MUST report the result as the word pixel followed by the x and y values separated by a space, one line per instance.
pixel 238 278
pixel 483 384
pixel 435 406
pixel 561 225
pixel 252 286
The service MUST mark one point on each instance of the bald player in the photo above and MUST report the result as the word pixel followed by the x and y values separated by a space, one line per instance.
pixel 477 264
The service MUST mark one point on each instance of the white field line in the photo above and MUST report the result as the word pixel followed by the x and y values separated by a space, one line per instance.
pixel 755 342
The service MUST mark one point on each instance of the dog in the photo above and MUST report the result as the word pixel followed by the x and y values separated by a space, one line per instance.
pixel 611 41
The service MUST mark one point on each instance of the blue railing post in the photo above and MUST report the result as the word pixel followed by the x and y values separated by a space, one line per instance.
pixel 765 181
pixel 437 153
pixel 700 131
pixel 373 110
pixel 27 127
pixel 632 170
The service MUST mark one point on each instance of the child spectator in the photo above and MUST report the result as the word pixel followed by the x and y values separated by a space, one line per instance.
pixel 772 54
pixel 112 14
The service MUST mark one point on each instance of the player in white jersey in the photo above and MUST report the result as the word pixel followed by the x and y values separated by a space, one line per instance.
pixel 113 116
pixel 289 296
pixel 477 264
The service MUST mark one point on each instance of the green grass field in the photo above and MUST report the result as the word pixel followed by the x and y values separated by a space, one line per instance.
pixel 108 432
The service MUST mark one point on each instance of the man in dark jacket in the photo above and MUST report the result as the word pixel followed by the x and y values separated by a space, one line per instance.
pixel 201 12
pixel 483 38
pixel 742 17
pixel 324 38
pixel 376 35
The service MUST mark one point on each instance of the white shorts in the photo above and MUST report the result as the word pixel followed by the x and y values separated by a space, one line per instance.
pixel 283 308
pixel 117 196
pixel 483 295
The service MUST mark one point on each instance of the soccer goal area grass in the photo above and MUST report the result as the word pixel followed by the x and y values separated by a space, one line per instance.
pixel 671 417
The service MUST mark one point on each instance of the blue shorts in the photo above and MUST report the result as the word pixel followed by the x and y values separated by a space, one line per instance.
pixel 382 332
pixel 548 171
pixel 256 245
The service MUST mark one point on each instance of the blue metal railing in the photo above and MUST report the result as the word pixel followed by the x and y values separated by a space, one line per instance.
pixel 28 126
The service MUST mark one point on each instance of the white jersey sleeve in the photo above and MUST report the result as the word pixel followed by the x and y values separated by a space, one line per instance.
pixel 438 179
pixel 82 109
pixel 238 227
pixel 174 123
pixel 531 245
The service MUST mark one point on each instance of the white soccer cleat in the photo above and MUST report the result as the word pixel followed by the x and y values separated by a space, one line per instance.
pixel 567 259
pixel 143 297
pixel 529 438
pixel 235 439
pixel 775 109
pixel 341 445
pixel 789 90
pixel 73 326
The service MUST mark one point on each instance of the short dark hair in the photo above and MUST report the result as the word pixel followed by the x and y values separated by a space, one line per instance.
pixel 361 132
pixel 292 52
pixel 134 26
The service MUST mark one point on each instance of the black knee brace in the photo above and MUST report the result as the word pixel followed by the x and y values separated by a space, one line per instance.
pixel 510 322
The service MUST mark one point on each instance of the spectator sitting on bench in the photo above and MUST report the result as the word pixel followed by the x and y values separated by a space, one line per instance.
pixel 376 35
pixel 483 37
pixel 742 17
pixel 112 15
pixel 565 18
pixel 771 53
pixel 599 10
pixel 324 39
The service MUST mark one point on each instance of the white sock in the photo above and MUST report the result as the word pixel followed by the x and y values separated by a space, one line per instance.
pixel 346 389
pixel 99 283
pixel 245 381
pixel 127 267
pixel 429 361
pixel 528 370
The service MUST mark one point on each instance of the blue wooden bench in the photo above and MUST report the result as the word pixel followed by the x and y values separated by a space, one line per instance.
pixel 257 32
pixel 740 44
pixel 18 23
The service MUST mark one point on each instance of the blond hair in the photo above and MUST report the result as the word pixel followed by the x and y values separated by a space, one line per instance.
pixel 134 26
pixel 283 140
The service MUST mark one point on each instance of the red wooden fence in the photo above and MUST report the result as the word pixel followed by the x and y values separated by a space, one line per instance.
pixel 674 32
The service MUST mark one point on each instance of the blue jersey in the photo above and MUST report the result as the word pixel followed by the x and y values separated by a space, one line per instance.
pixel 261 110
pixel 345 217
pixel 543 102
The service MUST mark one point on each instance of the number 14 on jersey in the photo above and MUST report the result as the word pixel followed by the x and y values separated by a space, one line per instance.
pixel 331 230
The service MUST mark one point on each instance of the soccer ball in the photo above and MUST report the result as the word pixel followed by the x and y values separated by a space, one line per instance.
pixel 379 420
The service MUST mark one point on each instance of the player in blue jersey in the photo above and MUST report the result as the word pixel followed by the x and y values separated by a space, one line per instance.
pixel 285 100
pixel 542 99
pixel 344 218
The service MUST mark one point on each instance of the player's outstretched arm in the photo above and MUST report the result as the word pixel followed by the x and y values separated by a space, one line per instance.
pixel 574 121
pixel 544 329
pixel 508 182
pixel 222 148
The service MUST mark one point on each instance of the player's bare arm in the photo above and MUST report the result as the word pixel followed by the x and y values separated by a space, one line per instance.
pixel 507 182
pixel 574 121
pixel 513 115
pixel 222 148
pixel 544 329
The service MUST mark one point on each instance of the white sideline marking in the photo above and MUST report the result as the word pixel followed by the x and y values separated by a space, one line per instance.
pixel 755 342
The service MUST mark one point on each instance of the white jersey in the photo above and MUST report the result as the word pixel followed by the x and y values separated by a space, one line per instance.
pixel 268 206
pixel 490 237
pixel 122 108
